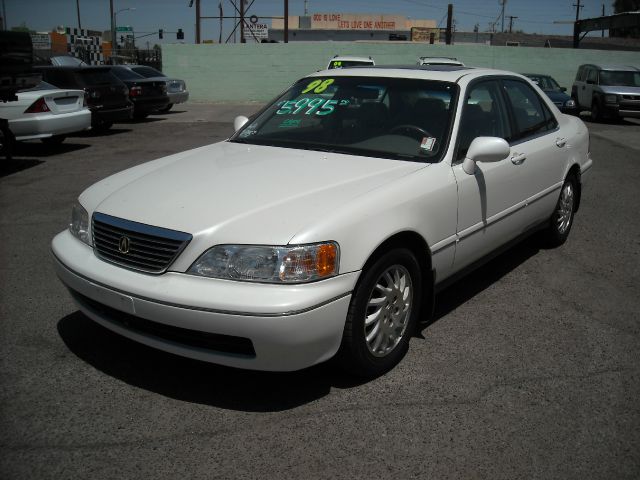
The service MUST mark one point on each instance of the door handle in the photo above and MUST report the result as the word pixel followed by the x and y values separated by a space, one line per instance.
pixel 561 142
pixel 518 158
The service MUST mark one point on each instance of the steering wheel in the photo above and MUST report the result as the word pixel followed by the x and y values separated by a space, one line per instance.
pixel 411 130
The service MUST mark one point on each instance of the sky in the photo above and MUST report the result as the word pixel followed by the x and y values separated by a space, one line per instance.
pixel 146 16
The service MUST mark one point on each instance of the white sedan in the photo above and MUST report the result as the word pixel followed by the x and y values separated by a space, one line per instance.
pixel 47 113
pixel 325 224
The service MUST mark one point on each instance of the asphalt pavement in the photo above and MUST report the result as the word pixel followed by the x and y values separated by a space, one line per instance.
pixel 530 369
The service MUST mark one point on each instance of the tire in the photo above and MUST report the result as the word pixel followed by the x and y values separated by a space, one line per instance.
pixel 562 218
pixel 393 316
pixel 103 126
pixel 596 110
pixel 55 140
pixel 167 108
pixel 140 116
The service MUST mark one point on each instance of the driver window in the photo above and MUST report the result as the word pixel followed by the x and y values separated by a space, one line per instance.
pixel 483 115
pixel 592 77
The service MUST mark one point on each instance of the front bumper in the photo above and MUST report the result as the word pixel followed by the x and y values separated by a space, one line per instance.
pixel 47 125
pixel 178 97
pixel 624 109
pixel 269 327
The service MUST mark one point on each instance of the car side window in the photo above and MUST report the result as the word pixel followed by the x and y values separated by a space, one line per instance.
pixel 531 116
pixel 484 114
pixel 580 74
pixel 592 76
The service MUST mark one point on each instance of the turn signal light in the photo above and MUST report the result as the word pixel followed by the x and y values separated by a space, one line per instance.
pixel 38 106
pixel 326 257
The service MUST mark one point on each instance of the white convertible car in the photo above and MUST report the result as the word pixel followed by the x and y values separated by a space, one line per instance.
pixel 325 224
pixel 46 113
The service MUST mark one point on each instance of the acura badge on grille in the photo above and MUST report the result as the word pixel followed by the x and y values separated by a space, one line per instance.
pixel 123 244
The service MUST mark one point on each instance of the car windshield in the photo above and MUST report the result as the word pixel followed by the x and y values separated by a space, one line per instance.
pixel 349 63
pixel 125 74
pixel 148 72
pixel 620 78
pixel 67 61
pixel 41 86
pixel 398 118
pixel 544 82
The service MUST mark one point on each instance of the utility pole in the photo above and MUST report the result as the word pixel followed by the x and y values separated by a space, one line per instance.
pixel 78 10
pixel 113 31
pixel 197 21
pixel 286 21
pixel 603 16
pixel 578 7
pixel 242 40
pixel 511 17
pixel 449 21
pixel 503 3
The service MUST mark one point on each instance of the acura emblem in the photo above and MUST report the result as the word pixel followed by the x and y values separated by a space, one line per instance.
pixel 123 244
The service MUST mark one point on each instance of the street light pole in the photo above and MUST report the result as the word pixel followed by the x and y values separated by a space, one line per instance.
pixel 113 30
pixel 115 26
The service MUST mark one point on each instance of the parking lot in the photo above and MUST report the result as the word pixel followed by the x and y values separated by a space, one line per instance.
pixel 530 368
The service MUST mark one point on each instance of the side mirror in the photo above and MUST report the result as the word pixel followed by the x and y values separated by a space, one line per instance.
pixel 485 149
pixel 239 122
pixel 563 89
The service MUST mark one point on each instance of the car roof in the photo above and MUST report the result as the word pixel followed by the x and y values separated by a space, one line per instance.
pixel 351 58
pixel 537 75
pixel 444 73
pixel 630 68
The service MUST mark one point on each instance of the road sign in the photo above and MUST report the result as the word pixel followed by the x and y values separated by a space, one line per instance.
pixel 124 29
pixel 256 31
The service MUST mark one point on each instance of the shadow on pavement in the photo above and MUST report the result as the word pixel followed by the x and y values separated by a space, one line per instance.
pixel 194 381
pixel 235 389
pixel 38 149
pixel 100 132
pixel 15 165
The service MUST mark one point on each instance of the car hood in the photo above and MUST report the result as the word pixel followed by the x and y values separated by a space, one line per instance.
pixel 242 193
pixel 557 95
pixel 621 90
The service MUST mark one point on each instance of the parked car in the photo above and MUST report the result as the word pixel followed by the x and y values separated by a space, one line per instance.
pixel 555 92
pixel 326 223
pixel 608 91
pixel 440 61
pixel 342 61
pixel 147 95
pixel 46 113
pixel 106 96
pixel 176 88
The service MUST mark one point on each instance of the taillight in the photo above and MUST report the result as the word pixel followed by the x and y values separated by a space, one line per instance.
pixel 38 106
pixel 135 91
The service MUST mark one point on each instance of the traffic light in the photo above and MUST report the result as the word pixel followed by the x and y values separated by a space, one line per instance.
pixel 160 34
pixel 180 34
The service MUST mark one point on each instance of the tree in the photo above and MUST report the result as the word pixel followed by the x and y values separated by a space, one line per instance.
pixel 621 6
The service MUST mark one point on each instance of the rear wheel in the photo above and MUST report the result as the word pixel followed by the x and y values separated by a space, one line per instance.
pixel 102 126
pixel 167 108
pixel 140 116
pixel 54 140
pixel 382 315
pixel 562 217
pixel 596 110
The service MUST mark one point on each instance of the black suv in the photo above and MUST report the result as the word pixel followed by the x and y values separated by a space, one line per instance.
pixel 106 96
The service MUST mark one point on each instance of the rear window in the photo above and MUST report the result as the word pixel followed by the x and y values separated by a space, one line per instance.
pixel 95 77
pixel 148 72
pixel 126 74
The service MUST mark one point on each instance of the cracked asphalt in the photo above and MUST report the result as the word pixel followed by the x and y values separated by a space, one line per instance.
pixel 530 369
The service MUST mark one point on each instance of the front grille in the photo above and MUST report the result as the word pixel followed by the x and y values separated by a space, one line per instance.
pixel 136 245
pixel 631 97
pixel 183 336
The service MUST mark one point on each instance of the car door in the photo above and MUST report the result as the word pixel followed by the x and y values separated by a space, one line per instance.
pixel 589 86
pixel 539 147
pixel 489 201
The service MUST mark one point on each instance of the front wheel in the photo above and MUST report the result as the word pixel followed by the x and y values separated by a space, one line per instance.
pixel 596 111
pixel 382 315
pixel 562 217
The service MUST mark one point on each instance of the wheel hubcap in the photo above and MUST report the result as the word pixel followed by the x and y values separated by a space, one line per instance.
pixel 388 310
pixel 565 208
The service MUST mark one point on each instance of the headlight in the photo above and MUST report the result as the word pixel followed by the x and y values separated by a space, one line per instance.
pixel 571 103
pixel 610 98
pixel 79 225
pixel 269 264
